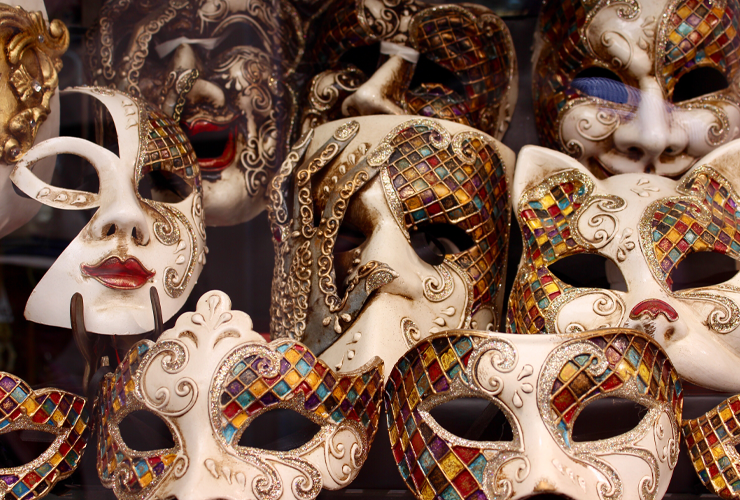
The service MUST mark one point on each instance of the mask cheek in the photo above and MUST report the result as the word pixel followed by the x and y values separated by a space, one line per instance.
pixel 582 309
pixel 716 123
pixel 338 456
pixel 587 130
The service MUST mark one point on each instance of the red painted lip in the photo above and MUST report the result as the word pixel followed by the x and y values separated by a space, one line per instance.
pixel 227 157
pixel 654 308
pixel 113 273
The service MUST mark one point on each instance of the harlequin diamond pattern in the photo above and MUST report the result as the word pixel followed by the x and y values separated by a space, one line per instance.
pixel 630 357
pixel 435 186
pixel 63 413
pixel 168 149
pixel 117 396
pixel 438 101
pixel 431 467
pixel 676 231
pixel 246 391
pixel 701 32
pixel 708 439
pixel 338 32
pixel 532 293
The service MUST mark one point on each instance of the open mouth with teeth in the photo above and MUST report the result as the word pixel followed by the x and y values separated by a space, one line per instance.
pixel 112 272
pixel 214 145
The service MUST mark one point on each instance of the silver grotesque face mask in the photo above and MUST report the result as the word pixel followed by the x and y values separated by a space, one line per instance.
pixel 135 240
pixel 541 384
pixel 208 379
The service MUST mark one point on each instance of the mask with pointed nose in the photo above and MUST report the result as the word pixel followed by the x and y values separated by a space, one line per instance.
pixel 454 62
pixel 635 250
pixel 208 380
pixel 223 69
pixel 148 230
pixel 637 86
pixel 543 386
pixel 396 228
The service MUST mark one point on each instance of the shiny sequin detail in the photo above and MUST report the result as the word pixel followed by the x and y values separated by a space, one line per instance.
pixel 711 441
pixel 167 149
pixel 48 410
pixel 441 186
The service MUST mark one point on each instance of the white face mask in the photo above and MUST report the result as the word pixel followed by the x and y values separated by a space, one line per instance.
pixel 35 116
pixel 208 379
pixel 541 384
pixel 649 228
pixel 367 280
pixel 133 241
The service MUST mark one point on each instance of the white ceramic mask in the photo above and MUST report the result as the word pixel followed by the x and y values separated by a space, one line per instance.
pixel 30 46
pixel 646 225
pixel 355 274
pixel 132 242
pixel 208 378
pixel 541 384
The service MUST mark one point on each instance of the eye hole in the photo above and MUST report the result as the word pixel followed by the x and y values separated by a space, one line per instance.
pixel 603 84
pixel 588 270
pixel 144 431
pixel 21 447
pixel 431 243
pixel 428 71
pixel 237 35
pixel 364 57
pixel 349 237
pixel 606 418
pixel 280 429
pixel 700 269
pixel 163 186
pixel 475 419
pixel 698 82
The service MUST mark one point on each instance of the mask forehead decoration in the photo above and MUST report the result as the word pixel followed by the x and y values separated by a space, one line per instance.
pixel 225 71
pixel 541 384
pixel 45 410
pixel 216 349
pixel 398 182
pixel 136 239
pixel 469 43
pixel 711 440
pixel 645 226
pixel 31 51
pixel 637 86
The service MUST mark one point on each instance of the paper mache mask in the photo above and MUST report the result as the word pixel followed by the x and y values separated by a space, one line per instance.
pixel 454 62
pixel 136 239
pixel 637 86
pixel 31 51
pixel 399 229
pixel 208 378
pixel 541 384
pixel 46 410
pixel 223 69
pixel 644 226
pixel 711 440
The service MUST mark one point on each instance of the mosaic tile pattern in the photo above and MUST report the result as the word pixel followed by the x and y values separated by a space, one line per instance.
pixel 677 232
pixel 57 412
pixel 630 358
pixel 118 399
pixel 435 186
pixel 438 101
pixel 247 393
pixel 546 232
pixel 430 467
pixel 711 440
pixel 168 149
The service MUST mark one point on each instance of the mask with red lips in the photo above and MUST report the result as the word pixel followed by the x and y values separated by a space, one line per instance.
pixel 636 250
pixel 138 238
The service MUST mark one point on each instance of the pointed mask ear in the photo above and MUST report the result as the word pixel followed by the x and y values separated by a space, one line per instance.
pixel 725 160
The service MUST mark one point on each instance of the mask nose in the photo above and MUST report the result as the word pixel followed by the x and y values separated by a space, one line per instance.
pixel 383 92
pixel 658 319
pixel 122 219
pixel 653 131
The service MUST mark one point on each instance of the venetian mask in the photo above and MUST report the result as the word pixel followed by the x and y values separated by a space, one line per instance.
pixel 31 51
pixel 148 230
pixel 711 440
pixel 454 62
pixel 48 411
pixel 637 86
pixel 208 379
pixel 645 230
pixel 542 385
pixel 223 70
pixel 399 229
